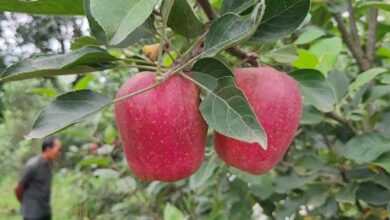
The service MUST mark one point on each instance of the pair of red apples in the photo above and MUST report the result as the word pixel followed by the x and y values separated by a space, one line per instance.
pixel 164 135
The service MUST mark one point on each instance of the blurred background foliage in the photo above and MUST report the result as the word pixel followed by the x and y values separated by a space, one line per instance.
pixel 337 168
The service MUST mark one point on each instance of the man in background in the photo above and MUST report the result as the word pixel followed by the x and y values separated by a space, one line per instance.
pixel 34 186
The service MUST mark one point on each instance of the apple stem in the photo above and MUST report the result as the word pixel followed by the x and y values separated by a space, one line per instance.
pixel 181 67
pixel 194 45
pixel 159 78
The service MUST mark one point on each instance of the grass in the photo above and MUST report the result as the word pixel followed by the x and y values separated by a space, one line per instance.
pixel 62 199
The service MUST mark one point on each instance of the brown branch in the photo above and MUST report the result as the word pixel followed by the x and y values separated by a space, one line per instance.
pixel 251 58
pixel 371 39
pixel 205 4
pixel 157 13
pixel 353 46
pixel 342 121
pixel 352 23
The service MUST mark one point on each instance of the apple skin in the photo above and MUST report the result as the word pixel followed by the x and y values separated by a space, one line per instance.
pixel 162 131
pixel 277 102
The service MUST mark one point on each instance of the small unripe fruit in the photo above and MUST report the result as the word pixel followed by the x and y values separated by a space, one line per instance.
pixel 277 102
pixel 162 132
pixel 92 148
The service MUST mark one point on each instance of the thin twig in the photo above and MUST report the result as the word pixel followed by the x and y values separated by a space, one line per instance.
pixel 251 58
pixel 198 42
pixel 180 68
pixel 355 49
pixel 352 23
pixel 205 4
pixel 159 80
pixel 137 92
pixel 371 39
pixel 168 44
pixel 157 12
pixel 342 121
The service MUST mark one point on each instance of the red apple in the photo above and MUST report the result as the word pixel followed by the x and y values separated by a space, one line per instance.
pixel 162 131
pixel 277 102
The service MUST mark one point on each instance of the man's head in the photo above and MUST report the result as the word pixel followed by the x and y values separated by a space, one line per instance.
pixel 51 148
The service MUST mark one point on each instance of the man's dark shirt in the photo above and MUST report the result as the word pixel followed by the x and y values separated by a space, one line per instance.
pixel 36 181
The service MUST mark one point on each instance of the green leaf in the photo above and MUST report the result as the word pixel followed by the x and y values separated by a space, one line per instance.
pixel 240 210
pixel 182 19
pixel 306 60
pixel 230 30
pixel 366 148
pixel 228 112
pixel 384 50
pixel 246 177
pixel 216 4
pixel 44 91
pixel 48 7
pixel 81 42
pixel 329 209
pixel 126 185
pixel 327 50
pixel 308 164
pixel 106 173
pixel 364 78
pixel 225 107
pixel 145 31
pixel 375 4
pixel 285 54
pixel 382 31
pixel 311 34
pixel 383 126
pixel 285 184
pixel 377 92
pixel 96 29
pixel 383 161
pixel 98 161
pixel 68 109
pixel 236 6
pixel 316 195
pixel 289 208
pixel 208 71
pixel 155 187
pixel 347 194
pixel 172 213
pixel 281 18
pixel 373 193
pixel 311 116
pixel 315 89
pixel 84 82
pixel 388 207
pixel 87 59
pixel 121 18
pixel 203 175
pixel 261 186
pixel 386 79
pixel 264 188
pixel 339 82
